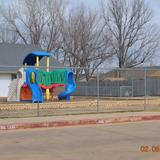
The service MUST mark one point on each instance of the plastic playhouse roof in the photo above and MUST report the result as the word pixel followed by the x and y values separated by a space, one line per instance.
pixel 30 59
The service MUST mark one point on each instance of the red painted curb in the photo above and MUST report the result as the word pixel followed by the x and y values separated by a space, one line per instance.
pixel 78 122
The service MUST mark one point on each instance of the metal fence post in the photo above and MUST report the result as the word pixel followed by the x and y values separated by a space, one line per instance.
pixel 97 90
pixel 86 89
pixel 38 109
pixel 132 88
pixel 145 89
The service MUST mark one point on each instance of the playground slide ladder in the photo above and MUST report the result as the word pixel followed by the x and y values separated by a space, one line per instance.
pixel 12 93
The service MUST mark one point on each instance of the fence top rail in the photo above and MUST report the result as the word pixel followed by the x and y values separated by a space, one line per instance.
pixel 99 69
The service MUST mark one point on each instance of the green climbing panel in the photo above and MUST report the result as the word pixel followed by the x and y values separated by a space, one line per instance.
pixel 54 77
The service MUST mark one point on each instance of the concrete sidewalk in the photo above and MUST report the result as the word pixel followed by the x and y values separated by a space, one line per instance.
pixel 72 120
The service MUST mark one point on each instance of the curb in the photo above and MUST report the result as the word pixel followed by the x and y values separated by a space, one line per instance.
pixel 50 124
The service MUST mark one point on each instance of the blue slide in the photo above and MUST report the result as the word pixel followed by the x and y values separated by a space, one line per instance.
pixel 37 94
pixel 70 87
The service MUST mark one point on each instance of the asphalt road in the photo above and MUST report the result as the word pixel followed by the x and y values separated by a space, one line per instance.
pixel 112 142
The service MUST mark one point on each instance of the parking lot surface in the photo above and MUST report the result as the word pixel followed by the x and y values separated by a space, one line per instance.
pixel 128 141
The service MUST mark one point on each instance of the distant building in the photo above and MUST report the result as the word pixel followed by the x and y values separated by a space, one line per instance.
pixel 122 83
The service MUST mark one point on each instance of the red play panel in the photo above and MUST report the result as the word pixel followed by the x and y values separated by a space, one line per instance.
pixel 52 86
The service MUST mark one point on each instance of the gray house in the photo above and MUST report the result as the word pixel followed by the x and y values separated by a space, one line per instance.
pixel 11 59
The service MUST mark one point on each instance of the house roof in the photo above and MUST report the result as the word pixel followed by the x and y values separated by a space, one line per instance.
pixel 30 59
pixel 12 56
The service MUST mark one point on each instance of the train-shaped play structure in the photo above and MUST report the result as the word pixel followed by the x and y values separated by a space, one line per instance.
pixel 36 85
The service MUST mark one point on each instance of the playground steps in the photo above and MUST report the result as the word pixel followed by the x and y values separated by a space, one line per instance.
pixel 12 93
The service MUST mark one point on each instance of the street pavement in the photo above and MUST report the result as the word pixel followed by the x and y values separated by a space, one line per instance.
pixel 104 142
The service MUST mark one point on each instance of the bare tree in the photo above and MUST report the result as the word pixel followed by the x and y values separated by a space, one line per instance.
pixel 7 35
pixel 36 21
pixel 83 43
pixel 129 30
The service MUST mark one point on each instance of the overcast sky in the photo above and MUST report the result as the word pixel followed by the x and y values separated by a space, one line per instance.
pixel 154 4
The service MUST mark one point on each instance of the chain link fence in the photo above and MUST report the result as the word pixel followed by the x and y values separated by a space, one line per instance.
pixel 97 91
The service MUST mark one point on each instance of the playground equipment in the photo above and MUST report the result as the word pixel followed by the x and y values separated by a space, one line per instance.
pixel 35 85
pixel 70 86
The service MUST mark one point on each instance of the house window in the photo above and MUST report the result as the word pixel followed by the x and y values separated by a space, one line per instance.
pixel 13 76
